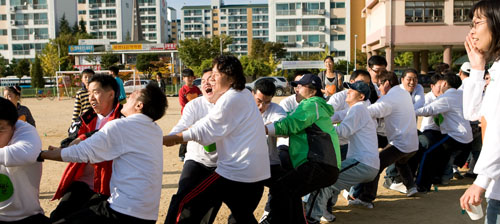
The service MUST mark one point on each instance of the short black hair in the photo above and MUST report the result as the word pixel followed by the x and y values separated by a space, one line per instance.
pixel 154 101
pixel 328 57
pixel 108 83
pixel 452 79
pixel 360 72
pixel 409 70
pixel 115 70
pixel 88 71
pixel 388 76
pixel 15 89
pixel 231 66
pixel 158 74
pixel 206 70
pixel 491 10
pixel 8 112
pixel 442 68
pixel 435 78
pixel 187 72
pixel 377 60
pixel 265 86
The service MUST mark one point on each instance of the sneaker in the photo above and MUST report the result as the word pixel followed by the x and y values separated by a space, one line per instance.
pixel 458 176
pixel 412 192
pixel 346 195
pixel 359 202
pixel 470 175
pixel 264 216
pixel 328 217
pixel 181 158
pixel 387 183
pixel 399 187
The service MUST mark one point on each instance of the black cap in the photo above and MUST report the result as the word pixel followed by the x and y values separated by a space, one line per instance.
pixel 359 86
pixel 308 79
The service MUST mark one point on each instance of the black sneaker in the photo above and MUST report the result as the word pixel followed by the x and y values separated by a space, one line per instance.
pixel 458 176
pixel 470 175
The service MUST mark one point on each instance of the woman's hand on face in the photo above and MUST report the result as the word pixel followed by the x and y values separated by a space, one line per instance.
pixel 477 57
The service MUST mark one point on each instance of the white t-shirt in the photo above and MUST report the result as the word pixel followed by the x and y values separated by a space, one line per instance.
pixel 273 113
pixel 449 105
pixel 236 126
pixel 428 122
pixel 417 96
pixel 289 104
pixel 399 116
pixel 20 174
pixel 135 145
pixel 193 111
pixel 360 129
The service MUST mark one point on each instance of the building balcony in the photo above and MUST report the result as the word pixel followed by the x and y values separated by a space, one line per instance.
pixel 313 12
pixel 21 52
pixel 286 28
pixel 310 28
pixel 40 6
pixel 285 12
pixel 20 37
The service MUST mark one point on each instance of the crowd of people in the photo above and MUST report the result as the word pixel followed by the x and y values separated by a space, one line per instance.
pixel 328 136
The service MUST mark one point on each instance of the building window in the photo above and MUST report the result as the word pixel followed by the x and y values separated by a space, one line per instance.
pixel 82 12
pixel 461 9
pixel 339 53
pixel 424 11
pixel 81 1
pixel 4 47
pixel 3 32
pixel 215 28
pixel 223 25
pixel 2 2
pixel 337 37
pixel 337 5
pixel 3 17
pixel 338 21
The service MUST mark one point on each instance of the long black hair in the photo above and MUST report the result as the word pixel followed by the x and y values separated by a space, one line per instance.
pixel 491 10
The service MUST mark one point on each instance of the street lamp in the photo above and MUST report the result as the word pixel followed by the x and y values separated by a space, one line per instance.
pixel 220 43
pixel 355 37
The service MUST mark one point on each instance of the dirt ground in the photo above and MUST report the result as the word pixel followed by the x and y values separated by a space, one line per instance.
pixel 53 119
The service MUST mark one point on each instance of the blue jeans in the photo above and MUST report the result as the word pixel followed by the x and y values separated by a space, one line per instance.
pixel 352 173
pixel 492 212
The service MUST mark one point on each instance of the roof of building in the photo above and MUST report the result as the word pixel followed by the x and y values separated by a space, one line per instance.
pixel 225 6
pixel 195 7
pixel 171 8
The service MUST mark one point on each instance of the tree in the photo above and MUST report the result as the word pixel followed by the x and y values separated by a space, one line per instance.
pixel 342 66
pixel 64 25
pixel 254 67
pixel 75 28
pixel 37 80
pixel 21 68
pixel 50 59
pixel 145 63
pixel 261 50
pixel 205 64
pixel 194 51
pixel 109 59
pixel 404 59
pixel 83 26
pixel 4 64
pixel 361 59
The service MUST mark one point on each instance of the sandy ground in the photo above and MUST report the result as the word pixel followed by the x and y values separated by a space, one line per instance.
pixel 53 119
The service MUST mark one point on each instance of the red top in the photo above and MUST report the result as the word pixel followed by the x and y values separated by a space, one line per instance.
pixel 102 170
pixel 187 94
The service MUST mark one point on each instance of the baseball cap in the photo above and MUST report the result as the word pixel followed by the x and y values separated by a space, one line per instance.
pixel 359 86
pixel 308 79
pixel 466 67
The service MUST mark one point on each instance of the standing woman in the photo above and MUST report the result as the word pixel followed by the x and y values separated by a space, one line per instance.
pixel 483 45
pixel 331 80
pixel 313 159
pixel 235 125
pixel 13 93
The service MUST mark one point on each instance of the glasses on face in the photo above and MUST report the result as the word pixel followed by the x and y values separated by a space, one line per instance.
pixel 474 24
pixel 377 70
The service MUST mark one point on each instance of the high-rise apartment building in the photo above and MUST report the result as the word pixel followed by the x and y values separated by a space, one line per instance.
pixel 154 20
pixel 308 27
pixel 171 25
pixel 242 22
pixel 107 19
pixel 27 25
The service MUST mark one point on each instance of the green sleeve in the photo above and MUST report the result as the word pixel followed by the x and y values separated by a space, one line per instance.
pixel 304 116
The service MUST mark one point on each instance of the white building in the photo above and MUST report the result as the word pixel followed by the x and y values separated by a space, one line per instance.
pixel 309 26
pixel 154 20
pixel 27 25
pixel 171 25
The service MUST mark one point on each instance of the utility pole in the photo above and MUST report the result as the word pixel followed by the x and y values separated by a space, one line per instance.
pixel 355 37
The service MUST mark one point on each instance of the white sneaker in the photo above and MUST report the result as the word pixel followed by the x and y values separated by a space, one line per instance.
pixel 328 217
pixel 359 202
pixel 264 216
pixel 412 192
pixel 345 194
pixel 399 187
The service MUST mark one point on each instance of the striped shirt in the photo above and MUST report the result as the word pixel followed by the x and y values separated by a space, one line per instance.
pixel 82 103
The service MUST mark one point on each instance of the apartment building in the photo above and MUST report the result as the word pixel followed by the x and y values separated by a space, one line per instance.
pixel 308 27
pixel 27 25
pixel 242 22
pixel 171 25
pixel 417 26
pixel 154 20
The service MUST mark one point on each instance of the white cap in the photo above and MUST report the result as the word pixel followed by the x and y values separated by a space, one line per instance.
pixel 466 67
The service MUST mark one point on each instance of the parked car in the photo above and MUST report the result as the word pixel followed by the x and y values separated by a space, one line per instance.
pixel 139 84
pixel 282 86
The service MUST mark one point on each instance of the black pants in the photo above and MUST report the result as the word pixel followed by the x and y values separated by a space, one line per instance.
pixel 388 156
pixel 38 218
pixel 182 150
pixel 78 196
pixel 101 213
pixel 241 198
pixel 193 173
pixel 286 203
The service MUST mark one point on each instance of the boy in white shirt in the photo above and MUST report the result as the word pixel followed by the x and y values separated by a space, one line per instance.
pixel 362 162
pixel 134 144
pixel 20 173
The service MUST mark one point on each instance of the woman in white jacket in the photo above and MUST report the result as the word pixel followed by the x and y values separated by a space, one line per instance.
pixel 483 45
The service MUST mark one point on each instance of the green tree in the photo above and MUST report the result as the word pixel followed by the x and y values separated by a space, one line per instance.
pixel 404 59
pixel 21 68
pixel 205 64
pixel 145 63
pixel 254 67
pixel 361 59
pixel 64 25
pixel 83 27
pixel 37 80
pixel 341 65
pixel 4 64
pixel 194 51
pixel 109 59
pixel 50 59
pixel 262 50
pixel 75 28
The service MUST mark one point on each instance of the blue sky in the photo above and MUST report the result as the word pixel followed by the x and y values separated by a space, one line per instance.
pixel 177 4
